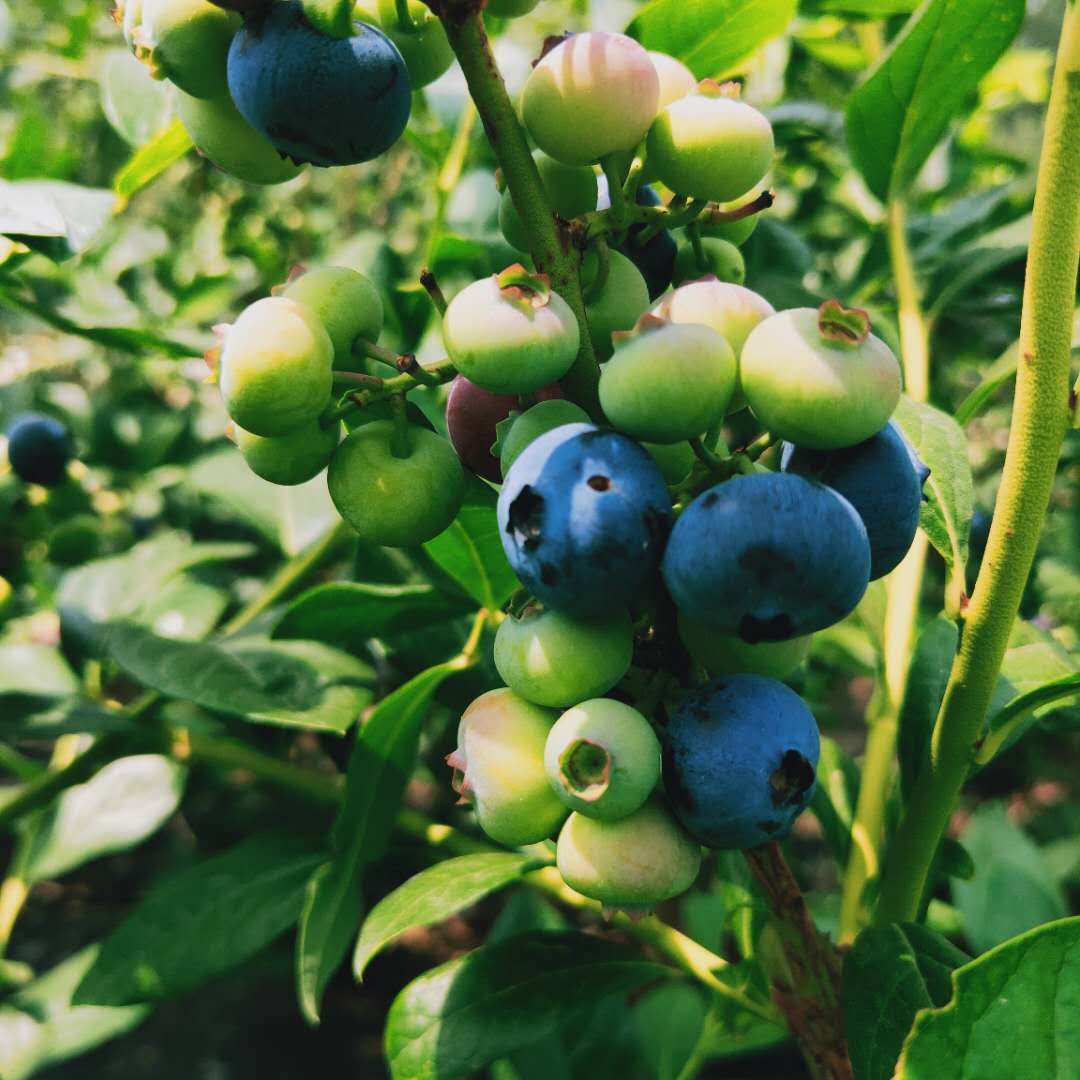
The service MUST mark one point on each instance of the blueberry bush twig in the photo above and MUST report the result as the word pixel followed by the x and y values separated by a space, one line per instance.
pixel 1041 416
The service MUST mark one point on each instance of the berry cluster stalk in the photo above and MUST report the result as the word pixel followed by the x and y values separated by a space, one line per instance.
pixel 1041 416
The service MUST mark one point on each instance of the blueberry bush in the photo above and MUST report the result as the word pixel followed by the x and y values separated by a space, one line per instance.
pixel 539 539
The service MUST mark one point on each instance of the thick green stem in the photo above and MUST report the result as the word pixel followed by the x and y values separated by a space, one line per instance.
pixel 1039 422
pixel 550 247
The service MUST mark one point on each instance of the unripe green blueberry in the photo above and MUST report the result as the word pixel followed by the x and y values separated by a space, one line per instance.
pixel 594 94
pixel 531 424
pixel 675 460
pixel 710 147
pixel 735 232
pixel 187 42
pixel 554 659
pixel 499 768
pixel 667 381
pixel 425 50
pixel 676 79
pixel 730 309
pixel 819 378
pixel 292 458
pixel 396 501
pixel 602 759
pixel 228 141
pixel 510 9
pixel 346 302
pixel 276 367
pixel 727 654
pixel 635 862
pixel 571 190
pixel 617 304
pixel 510 333
pixel 722 260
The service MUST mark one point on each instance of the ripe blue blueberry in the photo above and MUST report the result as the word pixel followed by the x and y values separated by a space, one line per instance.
pixel 740 757
pixel 318 99
pixel 768 557
pixel 39 448
pixel 583 515
pixel 882 478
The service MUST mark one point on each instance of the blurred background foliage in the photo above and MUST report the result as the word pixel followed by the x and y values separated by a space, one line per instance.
pixel 103 320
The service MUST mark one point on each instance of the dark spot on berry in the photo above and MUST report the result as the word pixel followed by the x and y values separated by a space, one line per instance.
pixel 549 575
pixel 792 780
pixel 657 525
pixel 753 630
pixel 598 483
pixel 768 826
pixel 710 499
pixel 764 561
pixel 526 518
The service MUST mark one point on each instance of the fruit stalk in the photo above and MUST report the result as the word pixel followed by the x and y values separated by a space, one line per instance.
pixel 811 1000
pixel 551 249
pixel 1039 422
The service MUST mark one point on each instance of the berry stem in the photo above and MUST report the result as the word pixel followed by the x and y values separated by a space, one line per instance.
pixel 717 216
pixel 432 288
pixel 1039 422
pixel 617 213
pixel 694 232
pixel 603 268
pixel 550 247
pixel 400 445
pixel 406 23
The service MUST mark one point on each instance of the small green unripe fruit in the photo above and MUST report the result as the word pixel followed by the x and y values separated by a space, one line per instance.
pixel 510 333
pixel 186 42
pixel 347 304
pixel 554 659
pixel 592 95
pixel 667 382
pixel 710 147
pixel 819 378
pixel 571 190
pixel 676 79
pixel 722 260
pixel 525 428
pixel 638 861
pixel 675 460
pixel 735 232
pixel 602 759
pixel 617 304
pixel 510 9
pixel 276 367
pixel 730 309
pixel 425 50
pixel 228 141
pixel 292 458
pixel 499 768
pixel 396 501
pixel 726 654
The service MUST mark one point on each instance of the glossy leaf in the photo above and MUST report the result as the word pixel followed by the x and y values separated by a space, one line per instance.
pixel 348 613
pixel 202 922
pixel 898 115
pixel 890 974
pixel 152 159
pixel 463 1015
pixel 1012 1014
pixel 380 765
pixel 711 36
pixel 35 671
pixel 471 552
pixel 136 105
pixel 433 895
pixel 119 807
pixel 51 216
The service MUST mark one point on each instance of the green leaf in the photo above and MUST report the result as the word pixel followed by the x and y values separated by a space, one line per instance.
pixel 202 922
pixel 1012 1014
pixel 1012 889
pixel 382 760
pixel 835 797
pixel 471 552
pixel 136 105
pixel 39 1026
pixel 896 117
pixel 53 217
pixel 463 1015
pixel 303 684
pixel 185 608
pixel 35 671
pixel 890 974
pixel 927 677
pixel 711 36
pixel 124 803
pixel 350 613
pixel 433 895
pixel 151 160
pixel 946 512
